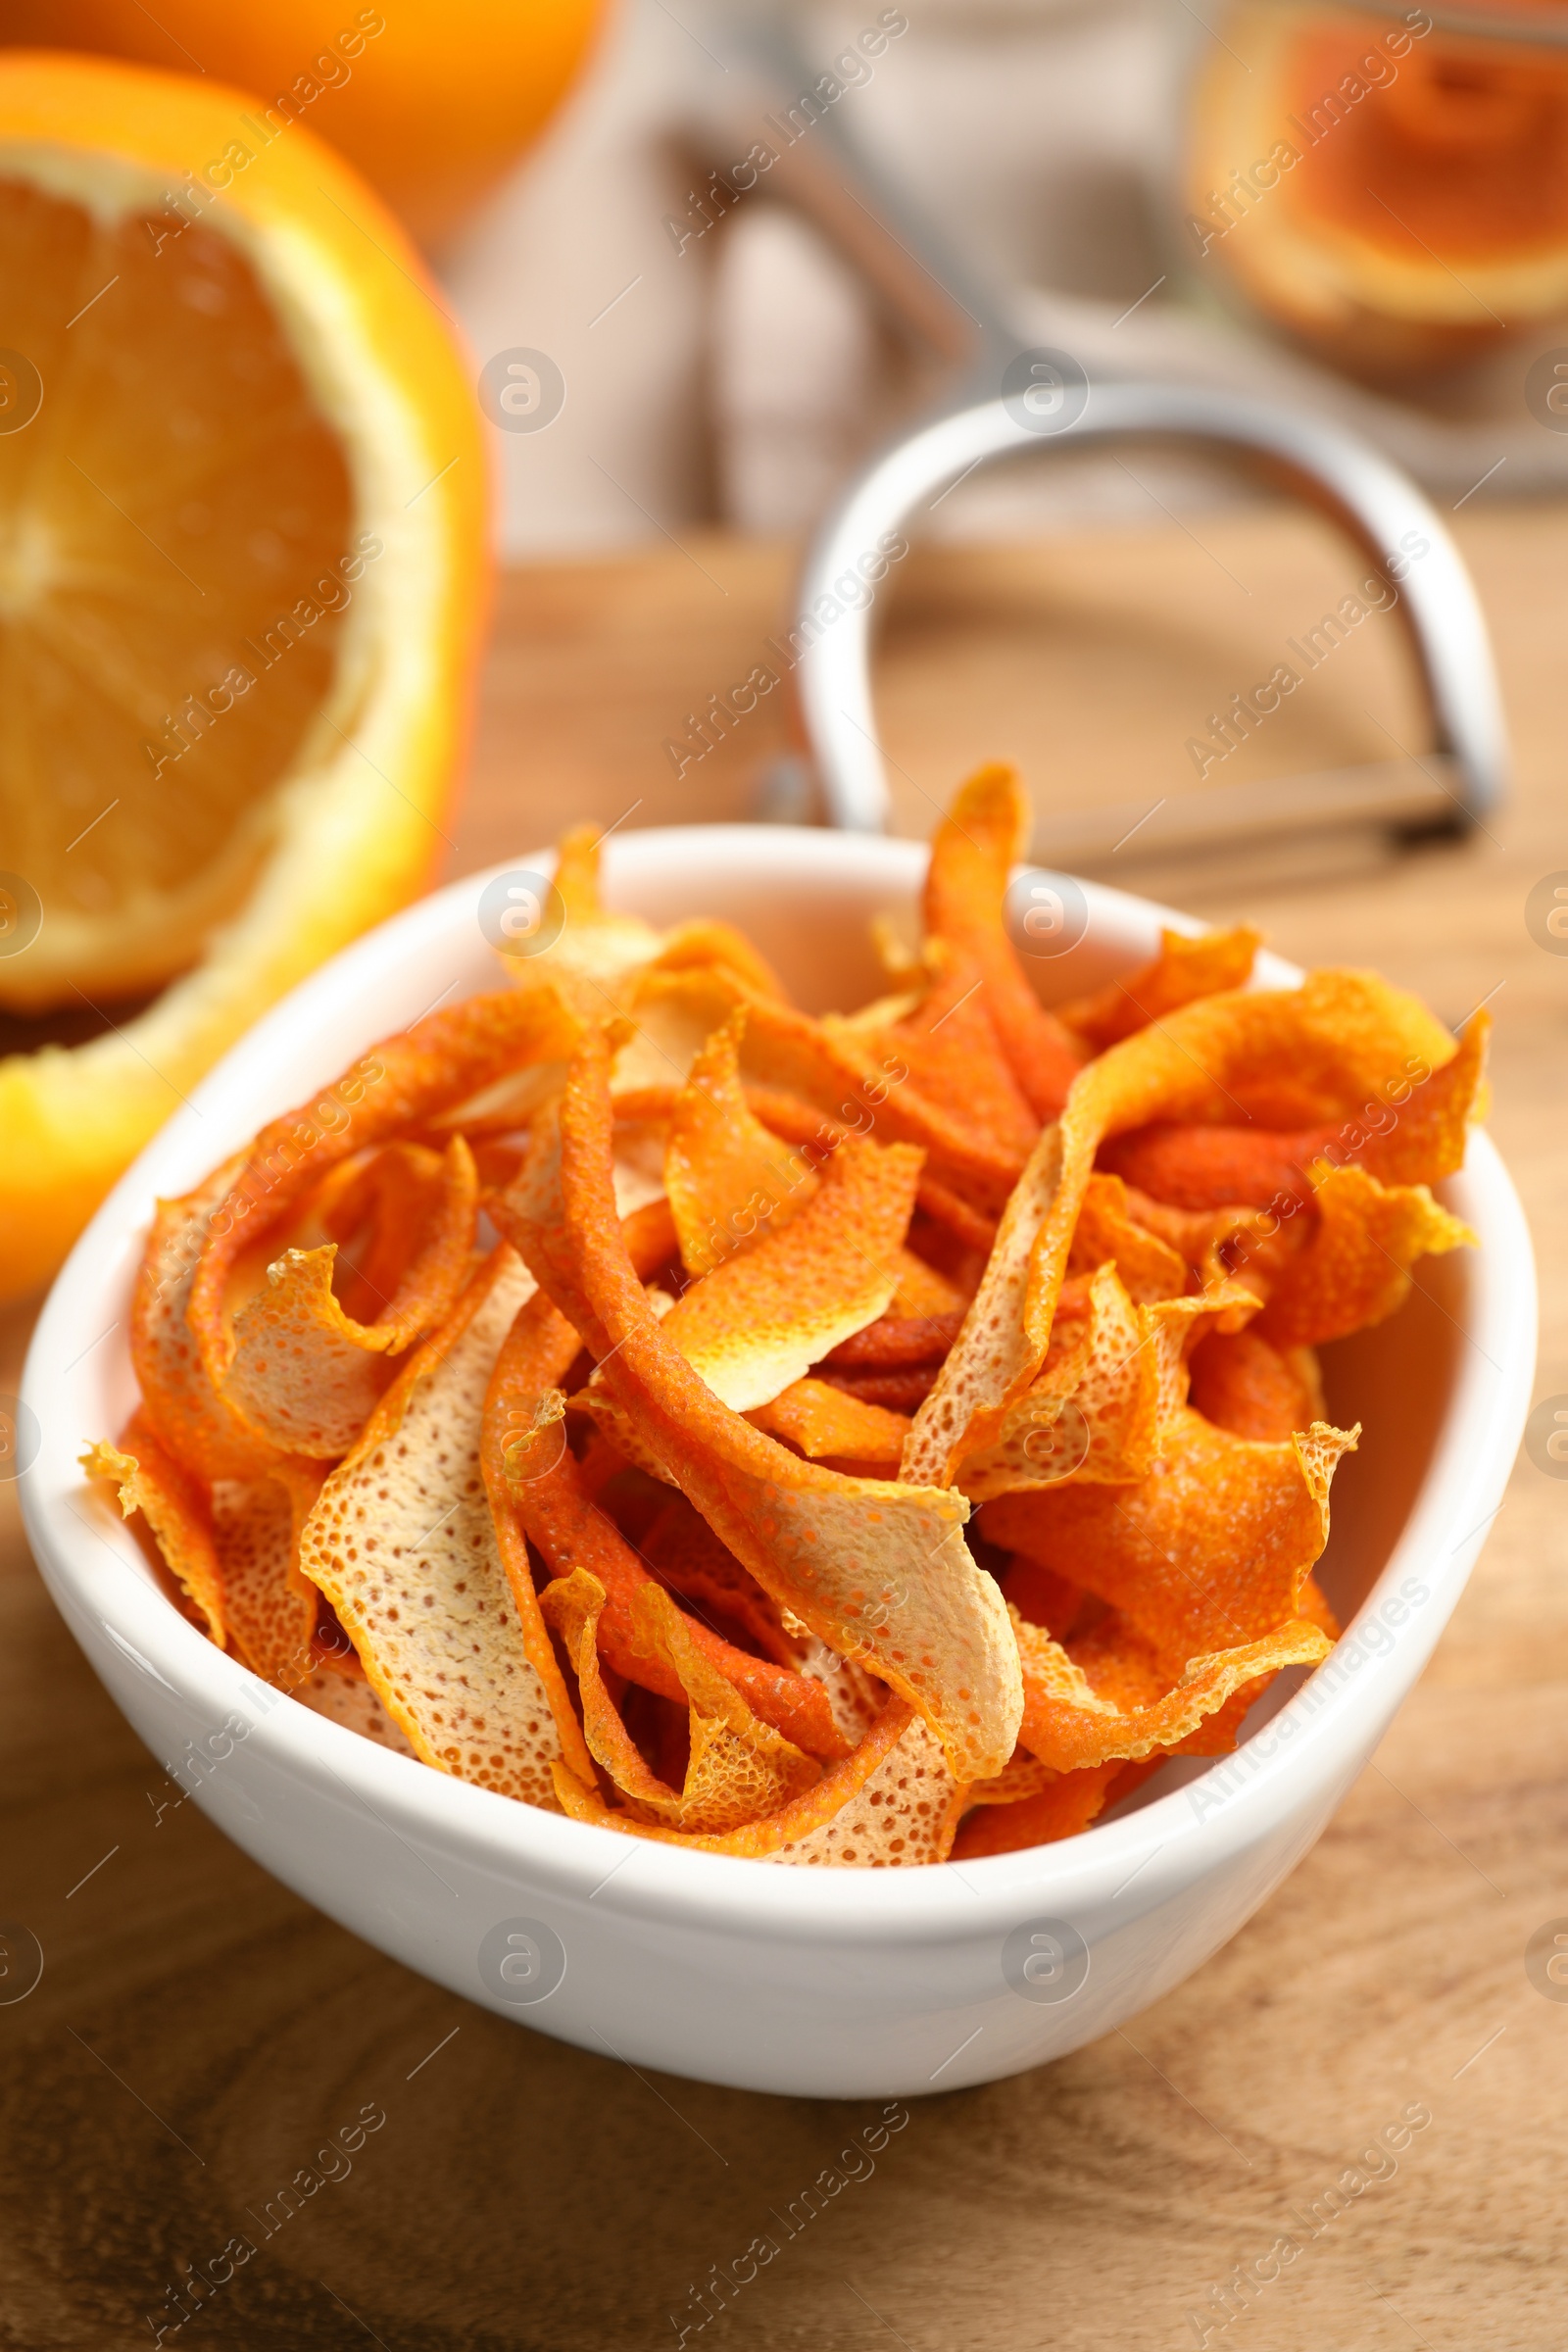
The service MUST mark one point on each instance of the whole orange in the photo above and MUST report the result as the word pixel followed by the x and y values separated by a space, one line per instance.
pixel 432 102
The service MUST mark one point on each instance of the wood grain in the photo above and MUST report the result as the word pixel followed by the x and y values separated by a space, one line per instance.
pixel 198 2031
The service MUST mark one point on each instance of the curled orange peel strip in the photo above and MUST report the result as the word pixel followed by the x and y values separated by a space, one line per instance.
pixel 1069 1725
pixel 1210 1551
pixel 890 1805
pixel 421 1208
pixel 179 1404
pixel 1070 1802
pixel 852 1085
pixel 704 942
pixel 148 1479
pixel 738 1770
pixel 825 1424
pixel 688 1559
pixel 973 851
pixel 1110 1387
pixel 798 1122
pixel 571 1533
pixel 1343 1034
pixel 726 1177
pixel 1107 1229
pixel 953 1055
pixel 233 1547
pixel 878 1571
pixel 403 1545
pixel 1355 1268
pixel 1183 971
pixel 400 1084
pixel 763 1316
pixel 270 1605
pixel 1242 1382
pixel 305 1376
pixel 536 1489
pixel 1408 1133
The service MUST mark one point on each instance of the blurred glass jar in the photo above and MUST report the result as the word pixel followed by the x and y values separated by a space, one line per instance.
pixel 1387 186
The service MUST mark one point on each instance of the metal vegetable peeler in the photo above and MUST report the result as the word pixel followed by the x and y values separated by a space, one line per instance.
pixel 1004 398
pixel 1450 787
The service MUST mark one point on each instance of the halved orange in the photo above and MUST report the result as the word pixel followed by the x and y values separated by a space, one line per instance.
pixel 242 526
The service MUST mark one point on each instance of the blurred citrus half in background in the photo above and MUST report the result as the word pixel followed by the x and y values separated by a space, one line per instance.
pixel 431 102
pixel 242 576
pixel 1390 187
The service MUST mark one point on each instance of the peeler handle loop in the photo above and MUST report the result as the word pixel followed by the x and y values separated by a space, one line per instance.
pixel 1377 503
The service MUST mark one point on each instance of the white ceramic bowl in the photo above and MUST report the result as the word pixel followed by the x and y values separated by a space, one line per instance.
pixel 843 1982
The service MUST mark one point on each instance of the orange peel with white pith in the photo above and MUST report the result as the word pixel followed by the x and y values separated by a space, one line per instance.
pixel 878 1571
pixel 854 1084
pixel 657 1516
pixel 762 1317
pixel 738 1768
pixel 538 1491
pixel 305 1375
pixel 403 1545
pixel 400 1084
pixel 1340 1033
pixel 890 1805
pixel 1210 1551
pixel 1114 1378
pixel 726 1177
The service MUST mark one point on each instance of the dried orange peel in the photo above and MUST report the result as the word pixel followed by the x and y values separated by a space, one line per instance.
pixel 1183 971
pixel 403 1545
pixel 1210 1549
pixel 305 1376
pixel 655 1515
pixel 1346 1036
pixel 1070 1724
pixel 727 1178
pixel 878 1571
pixel 976 846
pixel 759 1320
pixel 738 1768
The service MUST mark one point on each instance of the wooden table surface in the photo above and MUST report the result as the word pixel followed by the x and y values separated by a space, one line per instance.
pixel 197 2031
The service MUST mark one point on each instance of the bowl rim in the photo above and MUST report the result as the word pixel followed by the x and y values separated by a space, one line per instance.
pixel 1163 1847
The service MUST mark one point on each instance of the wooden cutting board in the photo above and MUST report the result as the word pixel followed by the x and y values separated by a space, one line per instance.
pixel 198 2031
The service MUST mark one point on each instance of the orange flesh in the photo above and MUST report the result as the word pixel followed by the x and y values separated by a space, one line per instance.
pixel 175 498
